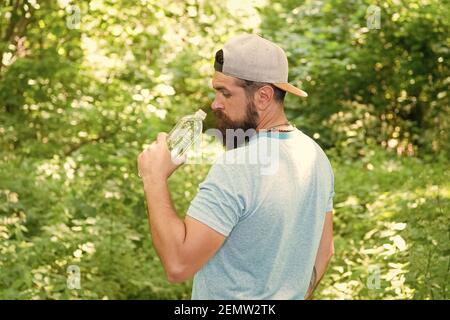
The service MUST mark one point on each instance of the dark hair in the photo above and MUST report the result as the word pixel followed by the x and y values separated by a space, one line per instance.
pixel 250 88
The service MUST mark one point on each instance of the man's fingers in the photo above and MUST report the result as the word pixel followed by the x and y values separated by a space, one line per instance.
pixel 150 147
pixel 179 160
pixel 162 136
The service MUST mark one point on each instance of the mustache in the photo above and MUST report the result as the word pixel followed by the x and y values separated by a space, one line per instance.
pixel 222 121
pixel 219 114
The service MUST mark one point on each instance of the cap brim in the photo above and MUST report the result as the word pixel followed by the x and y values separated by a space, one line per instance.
pixel 290 88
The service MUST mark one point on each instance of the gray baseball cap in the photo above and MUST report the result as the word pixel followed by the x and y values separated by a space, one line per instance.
pixel 251 57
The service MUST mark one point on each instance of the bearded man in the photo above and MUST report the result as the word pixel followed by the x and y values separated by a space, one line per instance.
pixel 248 234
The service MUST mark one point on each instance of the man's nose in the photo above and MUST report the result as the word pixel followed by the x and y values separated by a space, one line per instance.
pixel 216 105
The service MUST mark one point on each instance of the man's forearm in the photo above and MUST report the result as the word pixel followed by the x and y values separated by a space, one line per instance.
pixel 320 267
pixel 167 229
pixel 312 284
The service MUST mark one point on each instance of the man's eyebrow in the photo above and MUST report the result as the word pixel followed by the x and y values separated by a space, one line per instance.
pixel 220 88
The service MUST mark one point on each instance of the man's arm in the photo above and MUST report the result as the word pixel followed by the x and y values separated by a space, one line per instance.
pixel 324 254
pixel 183 246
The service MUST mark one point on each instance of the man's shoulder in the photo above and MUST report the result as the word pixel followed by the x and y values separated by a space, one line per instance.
pixel 235 157
pixel 234 165
pixel 313 143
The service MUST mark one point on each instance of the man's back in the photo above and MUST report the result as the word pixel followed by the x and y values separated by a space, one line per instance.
pixel 272 212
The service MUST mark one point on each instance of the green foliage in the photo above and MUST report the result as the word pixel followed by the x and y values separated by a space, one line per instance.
pixel 391 213
pixel 397 74
pixel 84 86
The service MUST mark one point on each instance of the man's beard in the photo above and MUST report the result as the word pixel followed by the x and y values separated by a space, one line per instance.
pixel 250 121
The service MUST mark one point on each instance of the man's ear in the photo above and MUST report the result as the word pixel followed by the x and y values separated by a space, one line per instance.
pixel 264 97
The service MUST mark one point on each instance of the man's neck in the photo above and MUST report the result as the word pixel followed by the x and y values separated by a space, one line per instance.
pixel 270 120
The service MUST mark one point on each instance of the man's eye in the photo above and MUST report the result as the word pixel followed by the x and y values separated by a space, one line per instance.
pixel 226 95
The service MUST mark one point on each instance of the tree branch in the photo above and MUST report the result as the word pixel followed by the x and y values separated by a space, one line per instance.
pixel 78 146
pixel 12 22
pixel 17 27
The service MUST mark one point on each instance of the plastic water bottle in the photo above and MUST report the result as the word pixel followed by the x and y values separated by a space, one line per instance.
pixel 185 133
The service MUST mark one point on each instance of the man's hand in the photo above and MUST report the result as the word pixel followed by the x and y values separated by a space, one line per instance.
pixel 183 246
pixel 156 163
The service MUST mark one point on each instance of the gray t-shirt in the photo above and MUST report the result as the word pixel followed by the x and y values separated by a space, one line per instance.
pixel 269 198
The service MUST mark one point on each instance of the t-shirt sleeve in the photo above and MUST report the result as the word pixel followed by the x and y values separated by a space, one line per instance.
pixel 332 193
pixel 217 204
pixel 330 203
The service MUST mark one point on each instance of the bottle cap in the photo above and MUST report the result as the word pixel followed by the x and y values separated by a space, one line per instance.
pixel 200 114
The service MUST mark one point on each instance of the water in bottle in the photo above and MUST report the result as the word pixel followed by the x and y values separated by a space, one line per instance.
pixel 185 133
